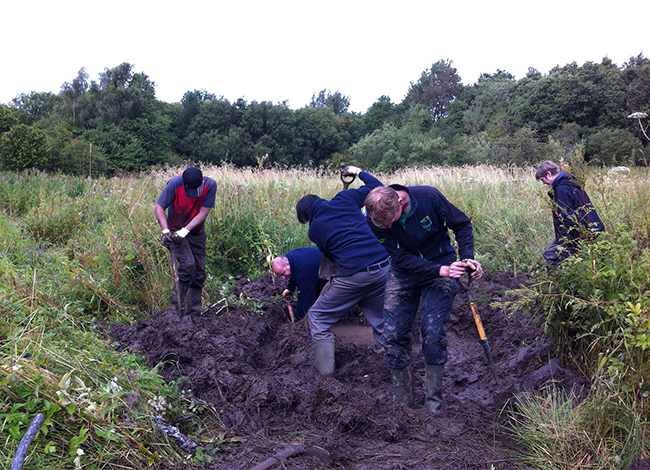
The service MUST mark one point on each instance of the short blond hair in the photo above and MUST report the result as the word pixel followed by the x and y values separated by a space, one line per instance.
pixel 381 204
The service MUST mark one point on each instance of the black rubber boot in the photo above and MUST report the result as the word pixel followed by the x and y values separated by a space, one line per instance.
pixel 324 356
pixel 178 295
pixel 433 386
pixel 403 386
pixel 193 301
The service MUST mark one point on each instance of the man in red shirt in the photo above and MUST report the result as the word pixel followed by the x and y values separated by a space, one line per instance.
pixel 187 200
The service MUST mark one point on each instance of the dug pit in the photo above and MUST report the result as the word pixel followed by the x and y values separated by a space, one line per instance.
pixel 256 372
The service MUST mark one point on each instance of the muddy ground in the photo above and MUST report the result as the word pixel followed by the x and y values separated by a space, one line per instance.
pixel 255 372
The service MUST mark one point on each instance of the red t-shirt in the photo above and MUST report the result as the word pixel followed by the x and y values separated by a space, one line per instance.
pixel 180 208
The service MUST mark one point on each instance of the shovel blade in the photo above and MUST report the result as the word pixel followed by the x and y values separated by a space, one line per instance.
pixel 488 354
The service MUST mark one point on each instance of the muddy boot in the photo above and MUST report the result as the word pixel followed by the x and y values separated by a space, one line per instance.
pixel 178 294
pixel 403 386
pixel 324 355
pixel 433 386
pixel 193 301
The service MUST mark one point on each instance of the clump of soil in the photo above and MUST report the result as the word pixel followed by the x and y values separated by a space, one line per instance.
pixel 256 371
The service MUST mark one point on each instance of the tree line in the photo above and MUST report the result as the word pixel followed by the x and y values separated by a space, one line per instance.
pixel 117 125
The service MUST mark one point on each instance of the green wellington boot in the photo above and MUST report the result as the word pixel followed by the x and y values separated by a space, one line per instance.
pixel 193 301
pixel 403 386
pixel 324 355
pixel 433 386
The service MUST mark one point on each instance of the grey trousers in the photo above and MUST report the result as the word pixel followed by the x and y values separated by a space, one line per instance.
pixel 342 293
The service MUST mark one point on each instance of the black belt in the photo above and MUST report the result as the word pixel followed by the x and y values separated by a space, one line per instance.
pixel 378 266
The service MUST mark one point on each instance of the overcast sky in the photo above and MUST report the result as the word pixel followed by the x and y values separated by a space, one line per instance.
pixel 288 50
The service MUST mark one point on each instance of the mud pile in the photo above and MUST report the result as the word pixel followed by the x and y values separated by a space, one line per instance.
pixel 256 371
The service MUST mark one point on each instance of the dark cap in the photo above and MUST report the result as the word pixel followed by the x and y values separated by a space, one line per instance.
pixel 193 182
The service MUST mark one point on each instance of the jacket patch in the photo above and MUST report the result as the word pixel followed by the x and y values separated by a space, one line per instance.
pixel 426 223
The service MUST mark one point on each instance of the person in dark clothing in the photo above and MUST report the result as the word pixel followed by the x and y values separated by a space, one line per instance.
pixel 188 200
pixel 412 225
pixel 300 266
pixel 339 230
pixel 574 217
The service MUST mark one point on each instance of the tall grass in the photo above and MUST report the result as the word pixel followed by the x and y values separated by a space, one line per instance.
pixel 77 254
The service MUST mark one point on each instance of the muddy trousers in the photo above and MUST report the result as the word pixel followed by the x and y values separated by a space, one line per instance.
pixel 404 294
pixel 186 295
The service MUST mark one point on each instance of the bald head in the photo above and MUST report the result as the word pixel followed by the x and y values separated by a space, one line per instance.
pixel 280 267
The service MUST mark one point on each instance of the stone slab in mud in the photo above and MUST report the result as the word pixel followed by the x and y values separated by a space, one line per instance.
pixel 256 372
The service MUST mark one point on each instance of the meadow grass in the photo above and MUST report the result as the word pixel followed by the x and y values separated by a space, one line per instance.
pixel 78 254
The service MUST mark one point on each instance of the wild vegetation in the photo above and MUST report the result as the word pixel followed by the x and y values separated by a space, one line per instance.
pixel 116 125
pixel 82 253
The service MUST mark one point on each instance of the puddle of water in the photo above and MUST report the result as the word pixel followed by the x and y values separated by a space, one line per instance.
pixel 356 334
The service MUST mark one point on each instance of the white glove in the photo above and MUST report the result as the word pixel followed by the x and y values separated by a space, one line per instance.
pixel 351 170
pixel 182 233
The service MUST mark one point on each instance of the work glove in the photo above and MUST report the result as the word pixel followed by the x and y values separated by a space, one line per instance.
pixel 180 234
pixel 287 294
pixel 167 239
pixel 351 170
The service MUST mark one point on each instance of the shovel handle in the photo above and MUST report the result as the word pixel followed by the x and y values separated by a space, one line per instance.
pixel 346 181
pixel 477 320
pixel 291 315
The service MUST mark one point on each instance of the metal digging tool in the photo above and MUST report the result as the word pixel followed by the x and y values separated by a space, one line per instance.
pixel 292 449
pixel 177 289
pixel 469 294
pixel 290 308
pixel 347 180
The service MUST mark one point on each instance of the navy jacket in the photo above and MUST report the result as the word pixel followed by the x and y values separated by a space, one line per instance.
pixel 574 214
pixel 425 244
pixel 339 229
pixel 304 263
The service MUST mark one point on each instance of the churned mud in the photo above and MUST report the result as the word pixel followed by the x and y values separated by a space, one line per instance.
pixel 255 372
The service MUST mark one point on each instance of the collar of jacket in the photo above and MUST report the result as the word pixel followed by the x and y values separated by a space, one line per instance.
pixel 413 201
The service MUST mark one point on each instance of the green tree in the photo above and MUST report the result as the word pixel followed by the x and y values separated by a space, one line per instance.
pixel 73 93
pixel 123 119
pixel 436 89
pixel 636 75
pixel 7 119
pixel 381 112
pixel 610 147
pixel 318 136
pixel 24 147
pixel 488 104
pixel 34 107
pixel 592 96
pixel 415 143
pixel 336 101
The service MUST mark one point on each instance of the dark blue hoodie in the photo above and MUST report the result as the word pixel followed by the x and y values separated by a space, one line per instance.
pixel 304 263
pixel 574 214
pixel 339 229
